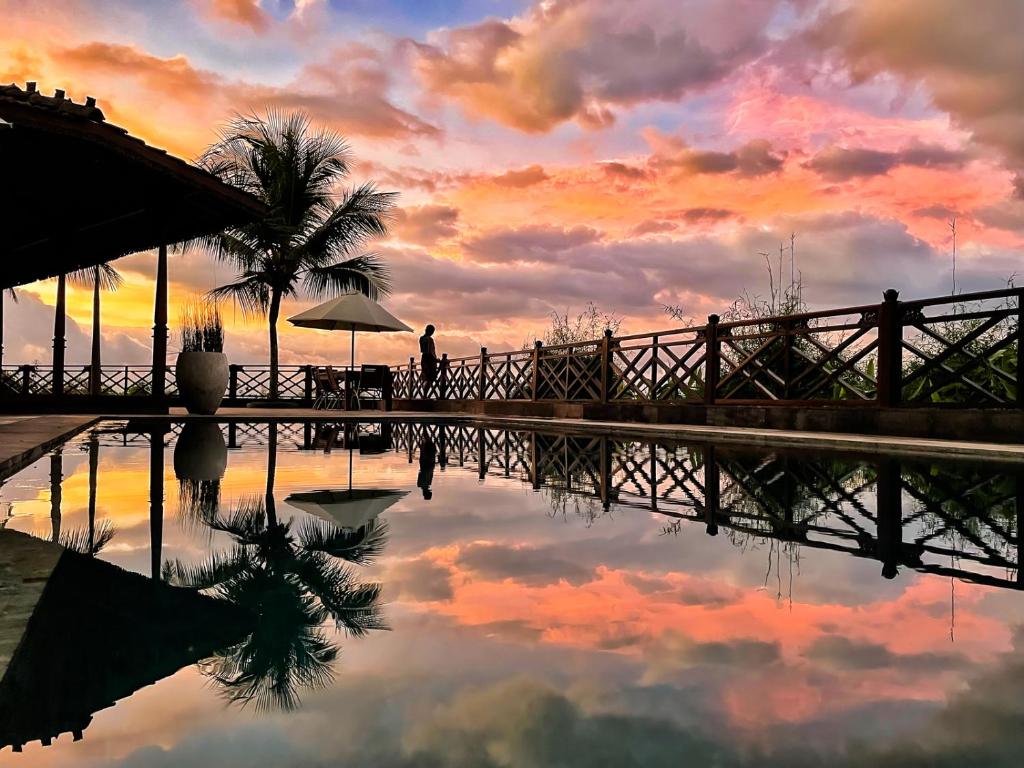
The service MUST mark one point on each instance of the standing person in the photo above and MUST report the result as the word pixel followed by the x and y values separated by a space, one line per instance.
pixel 428 460
pixel 428 356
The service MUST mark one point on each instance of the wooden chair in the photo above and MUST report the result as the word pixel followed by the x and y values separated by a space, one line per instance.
pixel 372 381
pixel 328 393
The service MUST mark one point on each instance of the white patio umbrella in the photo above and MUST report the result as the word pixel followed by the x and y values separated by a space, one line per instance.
pixel 350 312
pixel 353 508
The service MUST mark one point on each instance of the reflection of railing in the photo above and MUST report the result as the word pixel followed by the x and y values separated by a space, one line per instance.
pixel 907 514
pixel 954 350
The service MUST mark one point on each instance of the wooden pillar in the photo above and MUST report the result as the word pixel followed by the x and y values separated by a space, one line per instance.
pixel 712 491
pixel 3 293
pixel 654 368
pixel 156 501
pixel 56 478
pixel 59 340
pixel 95 364
pixel 605 470
pixel 482 387
pixel 535 375
pixel 481 437
pixel 889 517
pixel 442 390
pixel 890 350
pixel 160 325
pixel 606 364
pixel 712 363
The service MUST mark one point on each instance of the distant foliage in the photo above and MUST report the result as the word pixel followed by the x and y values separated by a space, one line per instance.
pixel 587 325
pixel 201 328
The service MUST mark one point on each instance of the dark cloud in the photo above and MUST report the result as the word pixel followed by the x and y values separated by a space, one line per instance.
pixel 624 171
pixel 528 243
pixel 524 177
pixel 695 215
pixel 526 565
pixel 567 60
pixel 419 579
pixel 755 158
pixel 426 224
pixel 842 653
pixel 838 164
pixel 968 57
pixel 652 227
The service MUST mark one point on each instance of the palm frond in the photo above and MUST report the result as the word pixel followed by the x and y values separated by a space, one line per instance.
pixel 363 214
pixel 218 569
pixel 250 291
pixel 108 277
pixel 360 546
pixel 366 274
pixel 77 539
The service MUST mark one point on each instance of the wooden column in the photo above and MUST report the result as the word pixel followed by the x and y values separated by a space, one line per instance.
pixel 606 364
pixel 482 389
pixel 156 501
pixel 160 325
pixel 95 365
pixel 712 491
pixel 3 293
pixel 889 517
pixel 890 350
pixel 536 369
pixel 59 340
pixel 56 478
pixel 712 363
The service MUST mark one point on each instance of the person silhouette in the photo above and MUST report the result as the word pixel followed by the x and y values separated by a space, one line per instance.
pixel 428 459
pixel 428 356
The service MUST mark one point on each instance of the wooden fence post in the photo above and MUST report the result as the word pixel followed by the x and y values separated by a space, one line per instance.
pixel 26 379
pixel 654 368
pixel 1020 360
pixel 412 378
pixel 442 378
pixel 712 363
pixel 606 363
pixel 309 384
pixel 787 358
pixel 890 350
pixel 536 369
pixel 233 382
pixel 482 392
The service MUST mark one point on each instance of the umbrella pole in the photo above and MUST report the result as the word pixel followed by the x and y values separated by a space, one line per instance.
pixel 353 348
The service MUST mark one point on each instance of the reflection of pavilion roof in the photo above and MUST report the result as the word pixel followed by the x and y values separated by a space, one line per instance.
pixel 78 634
pixel 79 191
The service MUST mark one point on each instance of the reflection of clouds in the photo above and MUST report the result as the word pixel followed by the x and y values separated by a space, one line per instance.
pixel 532 566
pixel 418 579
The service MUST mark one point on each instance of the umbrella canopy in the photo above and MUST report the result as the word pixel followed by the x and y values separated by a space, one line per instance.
pixel 351 312
pixel 346 508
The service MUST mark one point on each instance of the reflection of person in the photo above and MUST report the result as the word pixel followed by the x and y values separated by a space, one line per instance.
pixel 428 355
pixel 428 458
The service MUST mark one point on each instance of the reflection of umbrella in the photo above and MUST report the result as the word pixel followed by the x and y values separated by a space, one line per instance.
pixel 350 312
pixel 349 509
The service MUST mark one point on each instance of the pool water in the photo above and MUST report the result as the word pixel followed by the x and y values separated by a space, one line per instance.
pixel 417 594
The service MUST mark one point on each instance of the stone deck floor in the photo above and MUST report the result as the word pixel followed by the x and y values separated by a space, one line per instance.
pixel 24 438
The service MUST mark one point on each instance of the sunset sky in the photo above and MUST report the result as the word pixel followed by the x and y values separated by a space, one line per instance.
pixel 633 153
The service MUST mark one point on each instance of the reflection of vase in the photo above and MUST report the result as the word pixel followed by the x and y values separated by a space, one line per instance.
pixel 200 452
pixel 202 380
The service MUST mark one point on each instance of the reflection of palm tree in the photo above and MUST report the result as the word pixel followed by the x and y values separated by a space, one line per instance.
pixel 94 538
pixel 291 582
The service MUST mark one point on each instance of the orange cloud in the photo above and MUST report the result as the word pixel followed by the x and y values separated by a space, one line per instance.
pixel 245 12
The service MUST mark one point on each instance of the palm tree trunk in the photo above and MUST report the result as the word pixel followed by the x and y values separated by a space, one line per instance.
pixel 94 369
pixel 94 465
pixel 275 310
pixel 271 472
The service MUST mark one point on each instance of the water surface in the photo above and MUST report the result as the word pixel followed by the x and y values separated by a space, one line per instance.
pixel 419 595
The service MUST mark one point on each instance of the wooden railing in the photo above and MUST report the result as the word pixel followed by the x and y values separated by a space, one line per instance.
pixel 960 350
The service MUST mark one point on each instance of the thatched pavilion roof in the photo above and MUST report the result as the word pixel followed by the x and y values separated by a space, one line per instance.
pixel 76 190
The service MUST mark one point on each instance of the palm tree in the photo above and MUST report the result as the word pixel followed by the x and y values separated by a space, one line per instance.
pixel 312 237
pixel 105 277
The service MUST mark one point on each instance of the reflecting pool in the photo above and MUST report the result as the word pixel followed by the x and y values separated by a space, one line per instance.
pixel 418 594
